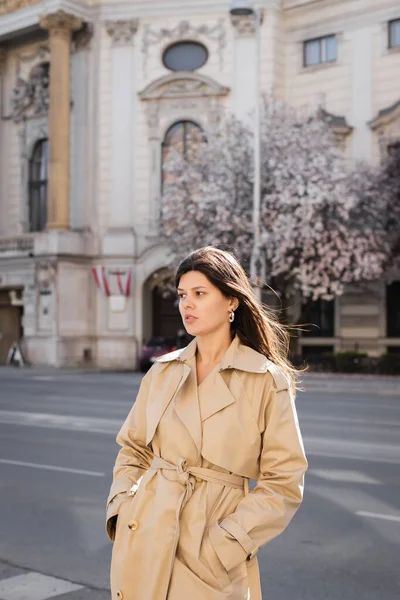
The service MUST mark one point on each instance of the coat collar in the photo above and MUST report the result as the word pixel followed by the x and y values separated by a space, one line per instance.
pixel 238 356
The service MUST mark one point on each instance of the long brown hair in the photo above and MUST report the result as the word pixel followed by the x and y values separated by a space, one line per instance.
pixel 255 324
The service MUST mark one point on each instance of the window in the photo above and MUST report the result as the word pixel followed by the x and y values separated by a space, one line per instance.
pixel 394 33
pixel 320 318
pixel 320 50
pixel 185 56
pixel 38 186
pixel 180 137
pixel 393 309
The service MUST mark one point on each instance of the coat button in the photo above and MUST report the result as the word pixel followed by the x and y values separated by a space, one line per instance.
pixel 199 479
pixel 132 526
pixel 120 595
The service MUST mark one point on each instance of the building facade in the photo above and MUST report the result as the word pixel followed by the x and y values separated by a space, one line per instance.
pixel 92 92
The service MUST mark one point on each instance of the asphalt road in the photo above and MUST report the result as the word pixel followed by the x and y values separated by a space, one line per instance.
pixel 57 449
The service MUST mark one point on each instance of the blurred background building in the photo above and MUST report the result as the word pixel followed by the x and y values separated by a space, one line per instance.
pixel 92 96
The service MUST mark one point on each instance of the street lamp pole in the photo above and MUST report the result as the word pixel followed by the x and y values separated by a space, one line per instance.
pixel 246 8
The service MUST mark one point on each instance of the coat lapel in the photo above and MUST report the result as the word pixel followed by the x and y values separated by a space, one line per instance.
pixel 216 398
pixel 159 400
pixel 186 405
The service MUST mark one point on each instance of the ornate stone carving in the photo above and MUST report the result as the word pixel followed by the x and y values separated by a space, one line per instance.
pixel 27 61
pixel 188 85
pixel 40 81
pixel 46 273
pixel 246 25
pixel 21 97
pixel 122 32
pixel 32 94
pixel 184 30
pixel 8 6
pixel 60 24
pixel 83 37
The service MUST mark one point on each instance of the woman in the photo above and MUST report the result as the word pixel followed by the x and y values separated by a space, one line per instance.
pixel 207 419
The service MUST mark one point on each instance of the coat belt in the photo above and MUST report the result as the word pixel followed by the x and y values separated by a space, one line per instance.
pixel 187 476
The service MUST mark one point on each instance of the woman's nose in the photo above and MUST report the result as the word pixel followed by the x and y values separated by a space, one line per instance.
pixel 188 303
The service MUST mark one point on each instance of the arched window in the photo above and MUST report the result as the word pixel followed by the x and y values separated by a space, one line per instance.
pixel 180 137
pixel 38 186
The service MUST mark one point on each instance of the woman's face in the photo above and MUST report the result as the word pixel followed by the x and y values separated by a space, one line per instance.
pixel 204 309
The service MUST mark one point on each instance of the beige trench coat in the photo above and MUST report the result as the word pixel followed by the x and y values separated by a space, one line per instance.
pixel 188 528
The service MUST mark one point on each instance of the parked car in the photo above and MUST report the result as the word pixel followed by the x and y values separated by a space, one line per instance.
pixel 155 347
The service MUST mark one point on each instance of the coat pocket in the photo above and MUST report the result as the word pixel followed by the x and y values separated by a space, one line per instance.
pixel 210 558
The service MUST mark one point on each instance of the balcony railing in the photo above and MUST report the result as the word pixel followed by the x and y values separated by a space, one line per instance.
pixel 16 245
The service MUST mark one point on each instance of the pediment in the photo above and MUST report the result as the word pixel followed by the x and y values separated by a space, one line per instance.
pixel 386 116
pixel 182 85
pixel 338 123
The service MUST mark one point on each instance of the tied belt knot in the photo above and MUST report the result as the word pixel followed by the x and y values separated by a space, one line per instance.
pixel 187 476
pixel 184 477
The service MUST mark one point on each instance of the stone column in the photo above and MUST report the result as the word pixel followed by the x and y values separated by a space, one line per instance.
pixel 361 42
pixel 60 26
pixel 246 63
pixel 80 193
pixel 119 238
pixel 272 61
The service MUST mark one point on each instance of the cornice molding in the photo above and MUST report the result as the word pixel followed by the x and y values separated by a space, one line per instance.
pixel 9 6
pixel 28 18
pixel 347 20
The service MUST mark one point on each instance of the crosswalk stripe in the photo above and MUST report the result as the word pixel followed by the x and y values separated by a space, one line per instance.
pixel 34 586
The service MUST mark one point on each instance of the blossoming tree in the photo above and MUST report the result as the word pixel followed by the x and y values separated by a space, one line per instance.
pixel 317 233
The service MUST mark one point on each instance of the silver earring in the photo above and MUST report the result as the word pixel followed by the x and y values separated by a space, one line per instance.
pixel 231 316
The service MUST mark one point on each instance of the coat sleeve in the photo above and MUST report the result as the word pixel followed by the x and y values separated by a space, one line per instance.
pixel 134 458
pixel 267 510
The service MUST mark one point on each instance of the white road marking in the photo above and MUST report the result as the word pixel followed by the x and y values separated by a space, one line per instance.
pixel 34 586
pixel 343 475
pixel 20 463
pixel 352 450
pixel 362 513
pixel 67 422
pixel 332 419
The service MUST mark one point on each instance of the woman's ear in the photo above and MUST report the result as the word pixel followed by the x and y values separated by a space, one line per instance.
pixel 234 303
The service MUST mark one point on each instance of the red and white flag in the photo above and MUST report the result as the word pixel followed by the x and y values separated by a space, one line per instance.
pixel 100 277
pixel 115 282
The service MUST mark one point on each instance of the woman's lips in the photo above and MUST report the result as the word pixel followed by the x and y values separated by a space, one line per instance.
pixel 190 319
